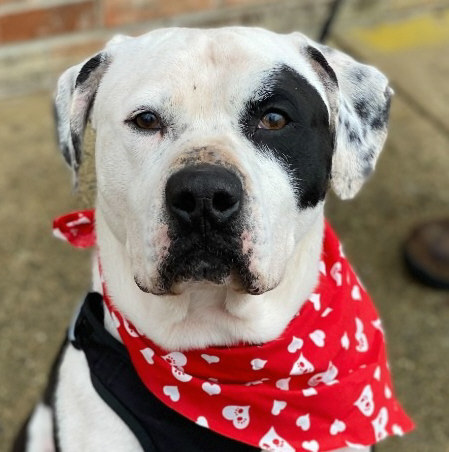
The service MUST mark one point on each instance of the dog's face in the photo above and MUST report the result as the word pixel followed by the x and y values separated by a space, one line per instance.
pixel 215 148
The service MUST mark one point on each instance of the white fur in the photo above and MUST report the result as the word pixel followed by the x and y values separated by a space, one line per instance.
pixel 85 422
pixel 200 79
pixel 40 430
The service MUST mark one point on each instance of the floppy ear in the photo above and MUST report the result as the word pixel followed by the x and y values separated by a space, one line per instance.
pixel 360 120
pixel 75 94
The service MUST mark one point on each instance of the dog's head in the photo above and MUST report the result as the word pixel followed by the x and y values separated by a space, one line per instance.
pixel 215 148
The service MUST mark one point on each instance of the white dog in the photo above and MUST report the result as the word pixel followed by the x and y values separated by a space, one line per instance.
pixel 214 152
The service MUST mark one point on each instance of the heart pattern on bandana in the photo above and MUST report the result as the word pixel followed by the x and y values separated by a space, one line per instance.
pixel 322 267
pixel 318 338
pixel 337 427
pixel 309 392
pixel 380 424
pixel 302 366
pixel 258 364
pixel 355 293
pixel 365 402
pixel 345 341
pixel 272 442
pixel 239 415
pixel 327 377
pixel 283 384
pixel 177 360
pixel 211 388
pixel 311 446
pixel 278 406
pixel 201 420
pixel 320 367
pixel 336 273
pixel 295 345
pixel 148 354
pixel 172 392
pixel 362 341
pixel 376 374
pixel 397 430
pixel 210 358
pixel 315 300
pixel 303 422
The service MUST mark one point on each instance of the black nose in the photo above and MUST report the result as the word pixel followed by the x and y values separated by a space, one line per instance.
pixel 204 192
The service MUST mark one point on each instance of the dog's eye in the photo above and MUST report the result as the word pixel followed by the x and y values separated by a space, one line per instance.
pixel 148 121
pixel 273 120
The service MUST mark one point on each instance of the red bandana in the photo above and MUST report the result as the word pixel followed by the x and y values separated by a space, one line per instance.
pixel 323 384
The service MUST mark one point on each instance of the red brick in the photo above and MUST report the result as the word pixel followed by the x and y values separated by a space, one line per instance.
pixel 50 21
pixel 119 12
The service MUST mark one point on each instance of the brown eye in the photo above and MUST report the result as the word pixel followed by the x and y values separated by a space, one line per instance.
pixel 273 120
pixel 148 121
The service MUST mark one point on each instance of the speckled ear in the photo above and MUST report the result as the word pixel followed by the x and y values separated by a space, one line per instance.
pixel 361 118
pixel 75 93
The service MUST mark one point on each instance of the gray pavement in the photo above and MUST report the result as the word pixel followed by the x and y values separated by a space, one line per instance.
pixel 42 279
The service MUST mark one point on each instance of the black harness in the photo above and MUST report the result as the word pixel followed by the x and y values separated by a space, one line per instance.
pixel 157 427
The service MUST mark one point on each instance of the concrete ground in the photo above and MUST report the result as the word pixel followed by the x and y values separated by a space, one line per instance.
pixel 42 279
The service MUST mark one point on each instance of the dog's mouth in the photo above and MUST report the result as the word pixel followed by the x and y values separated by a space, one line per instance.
pixel 199 265
pixel 197 260
pixel 193 261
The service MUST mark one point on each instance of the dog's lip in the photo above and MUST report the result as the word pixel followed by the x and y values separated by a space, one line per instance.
pixel 234 281
pixel 141 286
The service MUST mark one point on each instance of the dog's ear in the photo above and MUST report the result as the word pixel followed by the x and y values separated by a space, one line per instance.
pixel 361 103
pixel 75 94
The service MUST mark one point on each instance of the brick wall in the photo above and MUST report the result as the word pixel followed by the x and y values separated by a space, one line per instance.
pixel 23 20
pixel 40 38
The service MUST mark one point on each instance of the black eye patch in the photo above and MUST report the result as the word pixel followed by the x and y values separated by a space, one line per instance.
pixel 305 144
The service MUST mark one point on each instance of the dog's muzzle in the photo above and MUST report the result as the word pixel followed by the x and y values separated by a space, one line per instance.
pixel 204 206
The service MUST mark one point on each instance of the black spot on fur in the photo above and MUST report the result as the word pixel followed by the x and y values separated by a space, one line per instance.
pixel 362 109
pixel 354 136
pixel 358 75
pixel 316 55
pixel 77 146
pixel 380 120
pixel 305 145
pixel 86 70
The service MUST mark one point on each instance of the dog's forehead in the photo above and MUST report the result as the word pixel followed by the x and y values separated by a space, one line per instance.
pixel 223 46
pixel 174 60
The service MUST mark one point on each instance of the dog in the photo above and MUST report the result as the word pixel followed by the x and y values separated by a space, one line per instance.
pixel 215 150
